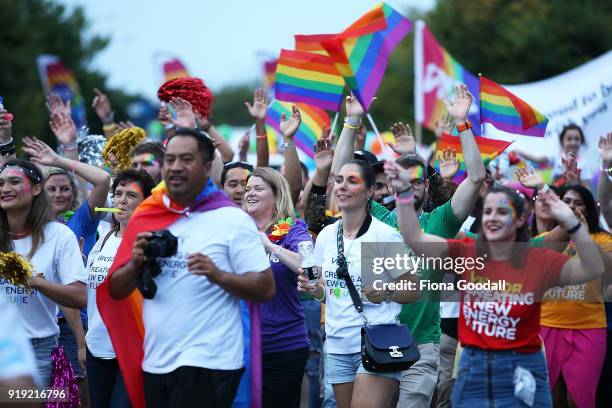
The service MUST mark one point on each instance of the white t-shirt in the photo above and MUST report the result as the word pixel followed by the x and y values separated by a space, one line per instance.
pixel 98 264
pixel 16 356
pixel 192 322
pixel 557 164
pixel 59 259
pixel 342 322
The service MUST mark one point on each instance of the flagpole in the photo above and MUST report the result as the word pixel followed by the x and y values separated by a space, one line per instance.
pixel 377 133
pixel 334 123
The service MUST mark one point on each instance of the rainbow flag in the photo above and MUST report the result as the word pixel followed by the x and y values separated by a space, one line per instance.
pixel 269 68
pixel 436 73
pixel 59 79
pixel 489 150
pixel 362 60
pixel 312 43
pixel 508 112
pixel 314 119
pixel 173 69
pixel 308 78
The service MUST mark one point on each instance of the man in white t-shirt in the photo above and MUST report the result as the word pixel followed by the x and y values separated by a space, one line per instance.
pixel 193 344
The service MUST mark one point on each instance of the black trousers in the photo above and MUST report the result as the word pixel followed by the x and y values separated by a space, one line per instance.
pixel 188 387
pixel 282 378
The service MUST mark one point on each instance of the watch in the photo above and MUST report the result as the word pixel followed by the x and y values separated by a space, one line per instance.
pixel 284 146
pixel 462 127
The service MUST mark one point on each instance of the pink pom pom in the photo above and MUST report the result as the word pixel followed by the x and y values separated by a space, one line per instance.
pixel 8 116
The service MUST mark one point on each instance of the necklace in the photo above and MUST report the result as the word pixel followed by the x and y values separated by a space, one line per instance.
pixel 19 235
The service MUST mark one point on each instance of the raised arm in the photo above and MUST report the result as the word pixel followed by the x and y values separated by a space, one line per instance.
pixel 103 108
pixel 293 171
pixel 258 111
pixel 227 153
pixel 346 142
pixel 42 154
pixel 604 185
pixel 420 242
pixel 316 197
pixel 467 193
pixel 7 145
pixel 588 264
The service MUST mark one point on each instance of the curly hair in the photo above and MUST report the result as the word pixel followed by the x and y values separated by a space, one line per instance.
pixel 438 193
pixel 191 89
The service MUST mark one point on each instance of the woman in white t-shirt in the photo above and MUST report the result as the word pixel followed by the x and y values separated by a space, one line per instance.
pixel 353 187
pixel 53 251
pixel 106 386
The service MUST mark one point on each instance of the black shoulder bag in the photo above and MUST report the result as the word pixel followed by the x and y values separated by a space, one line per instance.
pixel 384 347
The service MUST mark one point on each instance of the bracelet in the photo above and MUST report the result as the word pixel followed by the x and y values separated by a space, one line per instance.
pixel 109 120
pixel 544 189
pixel 608 170
pixel 575 228
pixel 7 143
pixel 322 297
pixel 388 295
pixel 347 126
pixel 69 146
pixel 404 201
pixel 74 164
pixel 463 126
pixel 352 123
pixel 275 252
pixel 109 127
pixel 285 145
pixel 264 136
pixel 8 149
pixel 169 126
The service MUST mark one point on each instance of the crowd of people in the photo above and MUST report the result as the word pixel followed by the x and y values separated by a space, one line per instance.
pixel 246 279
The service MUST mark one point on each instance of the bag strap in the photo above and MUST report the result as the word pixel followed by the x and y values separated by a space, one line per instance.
pixel 342 272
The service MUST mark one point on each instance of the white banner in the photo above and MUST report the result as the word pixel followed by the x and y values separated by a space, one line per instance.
pixel 582 96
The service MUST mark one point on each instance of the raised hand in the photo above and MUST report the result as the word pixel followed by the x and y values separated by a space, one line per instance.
pixel 444 125
pixel 243 145
pixel 6 127
pixel 101 104
pixel 40 152
pixel 125 125
pixel 55 105
pixel 559 210
pixel 460 107
pixel 529 178
pixel 324 155
pixel 397 176
pixel 571 171
pixel 63 127
pixel 404 140
pixel 259 109
pixel 289 127
pixel 605 148
pixel 449 164
pixel 185 118
pixel 353 107
pixel 360 137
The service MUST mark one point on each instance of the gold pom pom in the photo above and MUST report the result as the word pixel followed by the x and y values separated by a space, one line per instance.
pixel 15 268
pixel 116 153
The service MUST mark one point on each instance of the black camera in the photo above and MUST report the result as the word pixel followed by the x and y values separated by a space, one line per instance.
pixel 161 244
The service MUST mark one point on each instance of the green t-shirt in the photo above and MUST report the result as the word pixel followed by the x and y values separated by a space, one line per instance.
pixel 423 317
pixel 535 242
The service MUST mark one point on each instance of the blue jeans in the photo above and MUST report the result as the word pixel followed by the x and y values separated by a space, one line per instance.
pixel 42 353
pixel 486 377
pixel 106 387
pixel 67 339
pixel 312 313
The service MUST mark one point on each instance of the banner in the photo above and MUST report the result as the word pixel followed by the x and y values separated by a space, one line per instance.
pixel 58 79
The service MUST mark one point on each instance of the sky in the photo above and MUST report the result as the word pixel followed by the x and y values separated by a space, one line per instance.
pixel 222 41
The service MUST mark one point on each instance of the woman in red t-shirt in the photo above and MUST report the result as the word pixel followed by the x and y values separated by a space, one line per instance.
pixel 499 326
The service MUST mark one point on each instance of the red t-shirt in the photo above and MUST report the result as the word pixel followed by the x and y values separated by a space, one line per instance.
pixel 507 318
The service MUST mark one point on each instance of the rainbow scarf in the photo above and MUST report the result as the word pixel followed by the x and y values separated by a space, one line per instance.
pixel 123 318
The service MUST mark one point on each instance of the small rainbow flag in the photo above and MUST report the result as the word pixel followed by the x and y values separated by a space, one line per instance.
pixel 508 112
pixel 362 60
pixel 489 150
pixel 59 79
pixel 308 78
pixel 312 43
pixel 314 119
pixel 173 69
pixel 269 68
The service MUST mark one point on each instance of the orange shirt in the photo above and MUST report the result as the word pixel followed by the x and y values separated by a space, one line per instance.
pixel 577 306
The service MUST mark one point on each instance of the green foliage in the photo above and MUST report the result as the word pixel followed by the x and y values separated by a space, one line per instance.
pixel 33 27
pixel 228 106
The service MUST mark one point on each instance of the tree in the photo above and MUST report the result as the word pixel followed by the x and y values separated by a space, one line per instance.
pixel 33 27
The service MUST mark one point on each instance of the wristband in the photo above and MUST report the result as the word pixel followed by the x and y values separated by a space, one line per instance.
pixel 346 125
pixel 462 127
pixel 264 136
pixel 284 146
pixel 404 197
pixel 544 189
pixel 352 123
pixel 273 255
pixel 74 164
pixel 7 143
pixel 8 148
pixel 322 297
pixel 69 146
pixel 109 127
pixel 575 228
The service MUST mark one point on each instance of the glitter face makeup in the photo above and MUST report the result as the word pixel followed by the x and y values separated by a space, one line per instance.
pixel 14 171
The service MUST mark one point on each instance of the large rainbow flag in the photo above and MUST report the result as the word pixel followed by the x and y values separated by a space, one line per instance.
pixel 174 68
pixel 310 78
pixel 508 112
pixel 436 73
pixel 489 150
pixel 314 119
pixel 58 79
pixel 362 59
